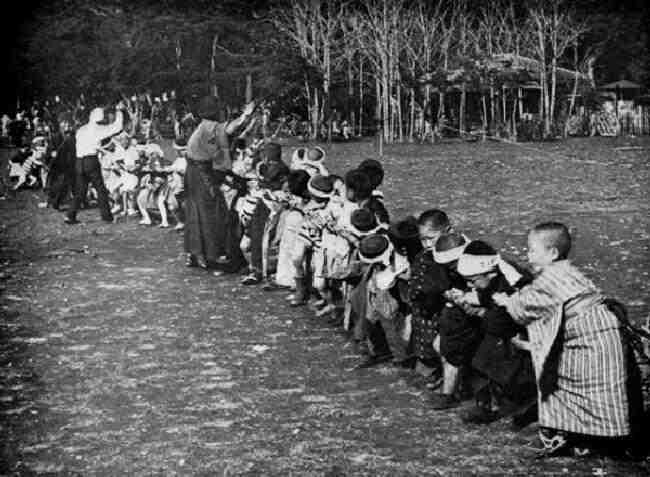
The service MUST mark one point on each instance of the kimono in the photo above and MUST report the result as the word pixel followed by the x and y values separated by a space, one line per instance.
pixel 205 205
pixel 311 234
pixel 496 359
pixel 429 280
pixel 291 225
pixel 387 308
pixel 582 363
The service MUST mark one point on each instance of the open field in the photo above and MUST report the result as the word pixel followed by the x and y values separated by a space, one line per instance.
pixel 117 360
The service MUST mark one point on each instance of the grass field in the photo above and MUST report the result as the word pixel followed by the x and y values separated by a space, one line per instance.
pixel 116 360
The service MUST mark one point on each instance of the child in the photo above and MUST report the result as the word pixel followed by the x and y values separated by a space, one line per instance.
pixel 375 172
pixel 502 378
pixel 311 160
pixel 153 189
pixel 308 254
pixel 582 362
pixel 19 168
pixel 173 199
pixel 273 174
pixel 26 166
pixel 383 305
pixel 428 280
pixel 359 189
pixel 285 276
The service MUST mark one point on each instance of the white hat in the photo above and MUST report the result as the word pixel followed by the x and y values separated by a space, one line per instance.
pixel 96 115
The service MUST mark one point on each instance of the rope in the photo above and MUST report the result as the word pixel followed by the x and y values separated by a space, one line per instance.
pixel 558 155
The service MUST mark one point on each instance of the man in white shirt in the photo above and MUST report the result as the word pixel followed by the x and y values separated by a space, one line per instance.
pixel 87 166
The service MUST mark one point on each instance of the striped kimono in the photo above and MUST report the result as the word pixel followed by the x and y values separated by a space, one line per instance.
pixel 579 355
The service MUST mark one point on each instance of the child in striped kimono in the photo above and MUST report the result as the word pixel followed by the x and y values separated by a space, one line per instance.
pixel 584 367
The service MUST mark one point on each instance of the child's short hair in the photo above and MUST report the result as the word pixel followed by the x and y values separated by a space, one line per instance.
pixel 479 247
pixel 555 234
pixel 297 183
pixel 374 170
pixel 359 182
pixel 434 218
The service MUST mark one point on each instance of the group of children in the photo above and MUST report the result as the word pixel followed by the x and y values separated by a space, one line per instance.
pixel 136 174
pixel 139 175
pixel 537 343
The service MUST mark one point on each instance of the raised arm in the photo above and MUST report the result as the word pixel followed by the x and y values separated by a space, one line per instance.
pixel 233 126
pixel 114 128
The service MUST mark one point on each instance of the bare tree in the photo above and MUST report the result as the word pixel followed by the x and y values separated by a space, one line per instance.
pixel 554 30
pixel 313 26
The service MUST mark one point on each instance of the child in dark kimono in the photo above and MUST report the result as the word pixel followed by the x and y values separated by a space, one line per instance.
pixel 426 277
pixel 502 380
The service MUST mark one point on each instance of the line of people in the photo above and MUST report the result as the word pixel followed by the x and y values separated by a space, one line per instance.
pixel 537 343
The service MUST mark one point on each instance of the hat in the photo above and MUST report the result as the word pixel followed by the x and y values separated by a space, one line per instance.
pixel 298 156
pixel 375 248
pixel 209 108
pixel 449 247
pixel 96 115
pixel 272 173
pixel 363 222
pixel 316 154
pixel 320 186
pixel 477 258
pixel 405 229
pixel 39 141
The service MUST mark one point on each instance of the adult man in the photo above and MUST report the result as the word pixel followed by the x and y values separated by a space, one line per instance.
pixel 87 167
pixel 62 166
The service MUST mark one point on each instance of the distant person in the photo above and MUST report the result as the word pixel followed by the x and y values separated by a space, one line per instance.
pixel 87 166
pixel 17 129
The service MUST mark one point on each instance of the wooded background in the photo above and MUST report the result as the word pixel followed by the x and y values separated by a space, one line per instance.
pixel 375 63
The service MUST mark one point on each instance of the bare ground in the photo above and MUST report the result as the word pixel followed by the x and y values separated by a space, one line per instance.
pixel 116 360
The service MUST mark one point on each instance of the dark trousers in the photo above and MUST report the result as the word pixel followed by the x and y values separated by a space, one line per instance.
pixel 60 184
pixel 89 171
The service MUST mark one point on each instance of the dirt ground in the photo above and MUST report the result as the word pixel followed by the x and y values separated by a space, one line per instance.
pixel 117 360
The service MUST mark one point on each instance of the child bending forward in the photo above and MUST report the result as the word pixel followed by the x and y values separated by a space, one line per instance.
pixel 583 365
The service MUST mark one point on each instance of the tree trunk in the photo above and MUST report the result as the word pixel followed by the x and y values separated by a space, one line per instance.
pixel 485 120
pixel 574 90
pixel 412 115
pixel 397 84
pixel 213 65
pixel 179 52
pixel 385 89
pixel 492 121
pixel 461 109
pixel 249 87
pixel 309 106
pixel 514 119
pixel 360 95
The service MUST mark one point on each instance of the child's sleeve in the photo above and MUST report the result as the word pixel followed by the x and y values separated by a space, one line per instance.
pixel 533 302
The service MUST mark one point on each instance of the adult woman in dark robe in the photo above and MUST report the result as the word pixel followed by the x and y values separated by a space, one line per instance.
pixel 208 161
